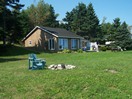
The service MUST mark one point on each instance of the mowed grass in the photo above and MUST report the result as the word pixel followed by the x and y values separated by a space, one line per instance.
pixel 103 75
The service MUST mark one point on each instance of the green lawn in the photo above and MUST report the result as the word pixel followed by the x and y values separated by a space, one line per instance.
pixel 103 75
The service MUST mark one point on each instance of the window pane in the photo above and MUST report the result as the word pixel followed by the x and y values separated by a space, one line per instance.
pixel 60 43
pixel 51 44
pixel 63 43
pixel 74 43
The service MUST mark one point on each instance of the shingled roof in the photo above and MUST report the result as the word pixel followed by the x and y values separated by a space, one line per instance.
pixel 58 32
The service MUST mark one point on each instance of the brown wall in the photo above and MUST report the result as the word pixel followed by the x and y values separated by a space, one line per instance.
pixel 39 40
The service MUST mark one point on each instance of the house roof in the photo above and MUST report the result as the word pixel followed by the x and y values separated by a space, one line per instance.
pixel 61 32
pixel 57 32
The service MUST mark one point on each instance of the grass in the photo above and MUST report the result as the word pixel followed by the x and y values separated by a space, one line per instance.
pixel 103 75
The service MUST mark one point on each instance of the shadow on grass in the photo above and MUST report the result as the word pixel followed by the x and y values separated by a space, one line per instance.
pixel 12 50
pixel 11 59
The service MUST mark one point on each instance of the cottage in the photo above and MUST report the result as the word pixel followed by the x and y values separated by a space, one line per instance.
pixel 53 39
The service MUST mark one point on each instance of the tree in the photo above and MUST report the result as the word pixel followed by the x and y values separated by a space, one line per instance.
pixel 115 28
pixel 5 6
pixel 31 13
pixel 69 19
pixel 25 23
pixel 51 19
pixel 15 29
pixel 83 20
pixel 121 34
pixel 42 15
pixel 76 18
pixel 91 25
pixel 106 30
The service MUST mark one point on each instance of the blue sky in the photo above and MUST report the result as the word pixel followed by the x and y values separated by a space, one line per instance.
pixel 110 9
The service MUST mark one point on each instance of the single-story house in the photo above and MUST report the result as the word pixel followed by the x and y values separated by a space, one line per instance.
pixel 53 39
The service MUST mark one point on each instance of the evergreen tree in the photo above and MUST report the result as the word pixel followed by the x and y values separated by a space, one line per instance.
pixel 15 28
pixel 5 6
pixel 83 20
pixel 75 18
pixel 121 34
pixel 69 19
pixel 91 25
pixel 80 17
pixel 25 23
pixel 106 30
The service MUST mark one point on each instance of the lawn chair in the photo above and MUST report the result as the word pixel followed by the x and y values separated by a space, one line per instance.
pixel 35 63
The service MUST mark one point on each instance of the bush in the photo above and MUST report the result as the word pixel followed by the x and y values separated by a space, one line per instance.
pixel 108 47
pixel 66 51
pixel 103 48
pixel 80 51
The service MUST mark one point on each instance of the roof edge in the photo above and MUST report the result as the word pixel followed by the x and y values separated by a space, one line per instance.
pixel 30 33
pixel 34 30
pixel 70 37
pixel 47 31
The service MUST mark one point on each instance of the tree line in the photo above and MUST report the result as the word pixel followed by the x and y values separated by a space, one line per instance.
pixel 82 20
pixel 16 23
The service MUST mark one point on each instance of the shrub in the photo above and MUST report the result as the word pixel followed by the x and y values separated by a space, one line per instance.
pixel 108 47
pixel 103 48
pixel 66 51
pixel 80 51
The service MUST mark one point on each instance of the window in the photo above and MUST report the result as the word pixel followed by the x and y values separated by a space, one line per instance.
pixel 30 43
pixel 51 44
pixel 74 43
pixel 63 44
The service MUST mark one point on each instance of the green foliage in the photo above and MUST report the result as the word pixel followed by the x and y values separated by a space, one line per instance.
pixel 117 32
pixel 42 15
pixel 121 35
pixel 9 20
pixel 83 20
pixel 51 19
pixel 91 25
pixel 106 30
pixel 66 51
pixel 25 23
pixel 15 24
pixel 103 48
pixel 97 75
pixel 80 51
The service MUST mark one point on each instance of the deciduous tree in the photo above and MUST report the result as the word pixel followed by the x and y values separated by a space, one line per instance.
pixel 42 15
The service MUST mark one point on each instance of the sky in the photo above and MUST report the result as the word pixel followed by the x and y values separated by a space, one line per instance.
pixel 110 9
